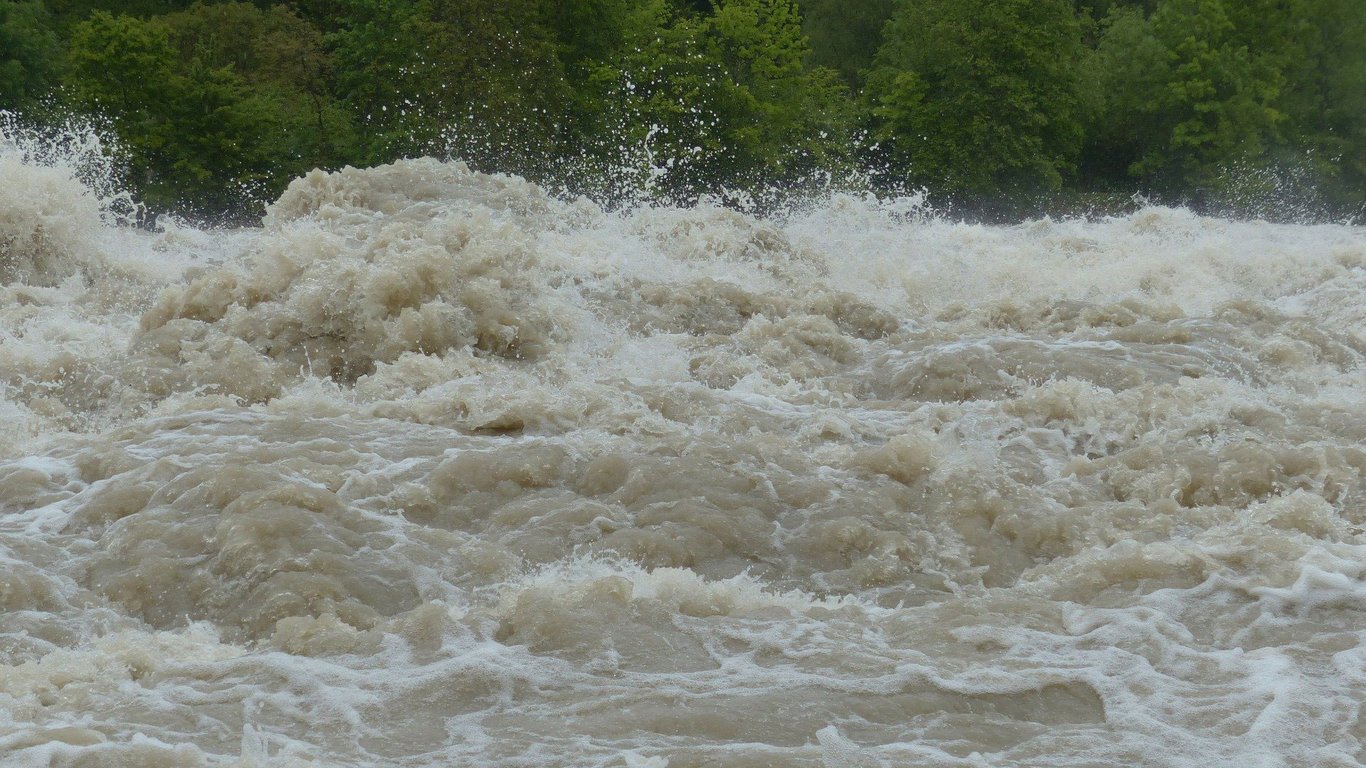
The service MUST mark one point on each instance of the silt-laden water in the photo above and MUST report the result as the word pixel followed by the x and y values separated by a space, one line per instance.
pixel 434 469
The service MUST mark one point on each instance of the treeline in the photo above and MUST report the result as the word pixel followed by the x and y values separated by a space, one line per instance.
pixel 1004 107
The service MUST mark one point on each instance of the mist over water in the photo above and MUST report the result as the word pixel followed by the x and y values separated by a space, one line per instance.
pixel 433 468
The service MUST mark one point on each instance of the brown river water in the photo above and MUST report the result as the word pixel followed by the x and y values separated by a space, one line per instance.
pixel 435 469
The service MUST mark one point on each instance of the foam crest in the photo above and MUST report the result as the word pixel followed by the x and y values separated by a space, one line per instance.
pixel 358 268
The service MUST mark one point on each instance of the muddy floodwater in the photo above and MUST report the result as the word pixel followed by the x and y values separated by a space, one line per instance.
pixel 436 469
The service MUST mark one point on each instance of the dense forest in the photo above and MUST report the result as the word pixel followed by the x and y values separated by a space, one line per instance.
pixel 999 108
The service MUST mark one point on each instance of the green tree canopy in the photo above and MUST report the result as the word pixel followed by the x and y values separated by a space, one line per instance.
pixel 280 58
pixel 722 98
pixel 30 54
pixel 979 96
pixel 217 103
pixel 198 135
pixel 480 79
pixel 844 35
pixel 1323 60
pixel 1184 95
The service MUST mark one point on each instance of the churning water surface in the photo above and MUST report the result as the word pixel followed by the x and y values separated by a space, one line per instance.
pixel 434 469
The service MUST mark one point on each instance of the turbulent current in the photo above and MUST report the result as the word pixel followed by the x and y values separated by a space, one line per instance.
pixel 436 469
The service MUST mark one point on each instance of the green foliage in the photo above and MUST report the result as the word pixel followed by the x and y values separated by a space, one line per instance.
pixel 991 102
pixel 798 113
pixel 979 97
pixel 30 54
pixel 1204 95
pixel 660 95
pixel 1218 96
pixel 480 79
pixel 723 99
pixel 844 35
pixel 1324 97
pixel 206 127
pixel 75 11
pixel 281 59
pixel 494 80
pixel 589 31
pixel 123 66
pixel 372 58
pixel 1124 76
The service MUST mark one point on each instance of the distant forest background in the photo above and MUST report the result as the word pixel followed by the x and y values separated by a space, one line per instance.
pixel 1000 108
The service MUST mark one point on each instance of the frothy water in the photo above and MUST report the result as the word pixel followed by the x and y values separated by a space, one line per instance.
pixel 436 469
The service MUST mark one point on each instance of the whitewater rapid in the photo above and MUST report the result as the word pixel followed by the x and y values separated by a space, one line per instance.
pixel 436 469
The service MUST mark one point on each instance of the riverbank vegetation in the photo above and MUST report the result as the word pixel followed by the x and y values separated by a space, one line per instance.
pixel 999 108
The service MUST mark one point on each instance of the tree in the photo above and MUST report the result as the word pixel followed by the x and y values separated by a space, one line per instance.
pixel 123 66
pixel 844 35
pixel 722 99
pixel 1125 76
pixel 1323 61
pixel 1185 96
pixel 196 135
pixel 30 54
pixel 589 31
pixel 71 12
pixel 1341 136
pixel 280 58
pixel 1219 95
pixel 801 113
pixel 479 79
pixel 979 97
